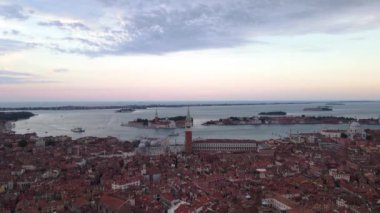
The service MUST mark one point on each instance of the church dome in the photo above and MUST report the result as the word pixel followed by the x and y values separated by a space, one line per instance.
pixel 355 125
pixel 355 130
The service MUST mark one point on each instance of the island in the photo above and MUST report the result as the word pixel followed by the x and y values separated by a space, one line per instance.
pixel 273 113
pixel 147 105
pixel 66 108
pixel 122 110
pixel 15 116
pixel 6 119
pixel 334 104
pixel 318 108
pixel 159 123
pixel 288 120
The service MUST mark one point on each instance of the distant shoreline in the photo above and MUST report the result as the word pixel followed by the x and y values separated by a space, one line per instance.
pixel 288 120
pixel 133 106
pixel 145 106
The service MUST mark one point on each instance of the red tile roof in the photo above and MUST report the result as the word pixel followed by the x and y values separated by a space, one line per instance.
pixel 112 202
pixel 224 141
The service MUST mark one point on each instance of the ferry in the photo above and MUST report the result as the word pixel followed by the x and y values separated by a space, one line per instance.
pixel 173 134
pixel 124 124
pixel 77 130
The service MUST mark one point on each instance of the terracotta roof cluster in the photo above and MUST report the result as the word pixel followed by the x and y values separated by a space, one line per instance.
pixel 303 173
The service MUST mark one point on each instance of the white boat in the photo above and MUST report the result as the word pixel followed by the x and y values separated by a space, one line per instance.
pixel 173 134
pixel 77 130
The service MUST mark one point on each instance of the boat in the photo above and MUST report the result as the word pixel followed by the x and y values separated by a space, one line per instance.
pixel 319 108
pixel 77 130
pixel 173 134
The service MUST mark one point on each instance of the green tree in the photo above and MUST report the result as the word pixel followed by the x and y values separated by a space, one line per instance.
pixel 50 142
pixel 343 135
pixel 22 143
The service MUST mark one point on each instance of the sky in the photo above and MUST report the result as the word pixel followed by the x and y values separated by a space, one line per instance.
pixel 159 50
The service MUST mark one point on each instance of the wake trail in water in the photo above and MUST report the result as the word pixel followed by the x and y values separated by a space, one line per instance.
pixel 112 120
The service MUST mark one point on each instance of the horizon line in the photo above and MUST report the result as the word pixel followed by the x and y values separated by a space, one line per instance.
pixel 219 100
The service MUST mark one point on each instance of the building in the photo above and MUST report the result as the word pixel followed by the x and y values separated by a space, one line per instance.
pixel 332 133
pixel 152 146
pixel 126 184
pixel 355 131
pixel 40 142
pixel 108 203
pixel 338 175
pixel 161 123
pixel 280 203
pixel 224 145
pixel 188 133
pixel 304 137
pixel 6 127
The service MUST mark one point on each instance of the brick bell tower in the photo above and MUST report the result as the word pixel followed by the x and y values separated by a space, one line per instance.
pixel 188 133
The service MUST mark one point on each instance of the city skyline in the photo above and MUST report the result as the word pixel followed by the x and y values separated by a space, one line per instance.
pixel 200 50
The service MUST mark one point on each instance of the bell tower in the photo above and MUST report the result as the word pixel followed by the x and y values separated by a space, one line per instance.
pixel 188 133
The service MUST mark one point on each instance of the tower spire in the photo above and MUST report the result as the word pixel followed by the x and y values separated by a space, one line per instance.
pixel 189 120
pixel 188 132
pixel 188 117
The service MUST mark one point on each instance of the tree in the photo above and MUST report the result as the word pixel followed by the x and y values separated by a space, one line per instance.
pixel 50 142
pixel 22 143
pixel 8 145
pixel 343 135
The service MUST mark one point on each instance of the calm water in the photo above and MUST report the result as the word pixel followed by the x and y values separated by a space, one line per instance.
pixel 103 123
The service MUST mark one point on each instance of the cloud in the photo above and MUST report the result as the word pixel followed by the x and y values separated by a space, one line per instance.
pixel 73 25
pixel 8 45
pixel 59 70
pixel 169 26
pixel 14 77
pixel 82 40
pixel 12 12
pixel 13 73
pixel 13 80
pixel 11 32
pixel 121 27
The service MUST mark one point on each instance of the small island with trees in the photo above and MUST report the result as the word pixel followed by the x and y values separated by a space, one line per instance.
pixel 288 120
pixel 15 116
pixel 158 123
pixel 125 109
pixel 6 119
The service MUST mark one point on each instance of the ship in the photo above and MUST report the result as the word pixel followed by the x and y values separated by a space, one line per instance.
pixel 319 108
pixel 78 130
pixel 173 134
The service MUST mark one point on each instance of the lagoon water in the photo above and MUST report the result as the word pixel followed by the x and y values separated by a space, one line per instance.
pixel 102 123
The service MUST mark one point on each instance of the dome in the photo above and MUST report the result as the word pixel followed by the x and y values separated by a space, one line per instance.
pixel 355 129
pixel 355 125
